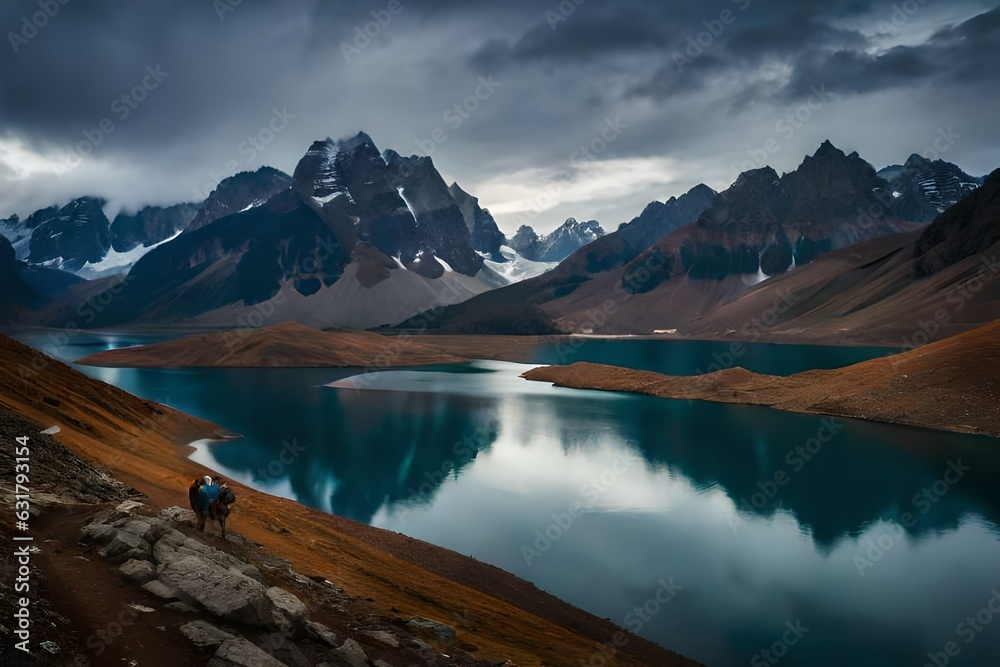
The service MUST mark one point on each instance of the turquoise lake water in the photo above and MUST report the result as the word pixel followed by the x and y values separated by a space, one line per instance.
pixel 878 544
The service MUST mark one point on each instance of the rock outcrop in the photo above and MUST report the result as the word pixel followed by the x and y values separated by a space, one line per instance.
pixel 185 569
pixel 242 621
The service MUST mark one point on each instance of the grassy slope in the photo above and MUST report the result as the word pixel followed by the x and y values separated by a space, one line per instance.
pixel 139 443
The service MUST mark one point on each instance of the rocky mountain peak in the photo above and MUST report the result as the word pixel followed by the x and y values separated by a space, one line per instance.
pixel 827 149
pixel 239 192
pixel 487 238
pixel 559 244
pixel 316 174
pixel 700 191
pixel 525 241
pixel 75 235
pixel 755 178
pixel 836 187
pixel 400 205
pixel 921 188
pixel 917 161
pixel 441 224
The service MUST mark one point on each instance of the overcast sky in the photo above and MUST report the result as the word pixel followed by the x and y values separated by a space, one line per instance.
pixel 665 93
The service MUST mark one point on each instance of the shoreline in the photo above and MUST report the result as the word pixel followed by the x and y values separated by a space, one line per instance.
pixel 951 385
pixel 144 445
pixel 415 577
pixel 281 347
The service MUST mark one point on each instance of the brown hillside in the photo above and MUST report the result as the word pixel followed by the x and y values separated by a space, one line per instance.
pixel 282 345
pixel 952 384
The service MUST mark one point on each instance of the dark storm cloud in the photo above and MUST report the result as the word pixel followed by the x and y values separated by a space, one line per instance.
pixel 684 75
pixel 966 52
pixel 859 72
pixel 336 67
pixel 584 39
pixel 791 35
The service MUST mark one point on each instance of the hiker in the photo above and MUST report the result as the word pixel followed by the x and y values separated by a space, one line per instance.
pixel 226 495
pixel 220 508
pixel 208 493
pixel 193 495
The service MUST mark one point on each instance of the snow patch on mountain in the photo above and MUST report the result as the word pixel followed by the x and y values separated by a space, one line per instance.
pixel 117 263
pixel 518 268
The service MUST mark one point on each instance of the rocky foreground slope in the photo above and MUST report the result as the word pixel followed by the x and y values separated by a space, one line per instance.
pixel 952 384
pixel 380 580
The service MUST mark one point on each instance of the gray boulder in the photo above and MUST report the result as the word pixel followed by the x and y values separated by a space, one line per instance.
pixel 352 653
pixel 322 633
pixel 281 646
pixel 204 635
pixel 148 529
pixel 227 593
pixel 123 546
pixel 174 546
pixel 292 611
pixel 179 515
pixel 160 590
pixel 127 508
pixel 99 533
pixel 238 652
pixel 137 571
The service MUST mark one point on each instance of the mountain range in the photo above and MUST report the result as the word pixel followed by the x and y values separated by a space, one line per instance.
pixel 904 290
pixel 761 228
pixel 360 238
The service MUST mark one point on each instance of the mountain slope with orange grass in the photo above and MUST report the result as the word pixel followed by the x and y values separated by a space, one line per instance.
pixel 953 384
pixel 142 444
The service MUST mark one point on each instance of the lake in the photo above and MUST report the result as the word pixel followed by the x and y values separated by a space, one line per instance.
pixel 735 535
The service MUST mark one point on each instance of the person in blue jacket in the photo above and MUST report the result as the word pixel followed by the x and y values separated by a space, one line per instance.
pixel 207 494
